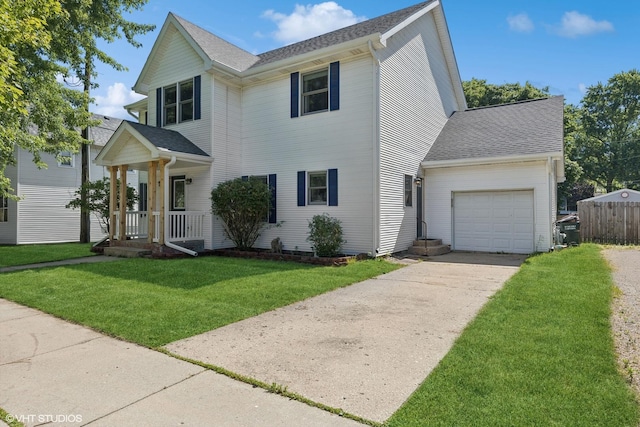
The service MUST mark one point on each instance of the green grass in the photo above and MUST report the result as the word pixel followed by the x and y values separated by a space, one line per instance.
pixel 540 353
pixel 154 302
pixel 33 254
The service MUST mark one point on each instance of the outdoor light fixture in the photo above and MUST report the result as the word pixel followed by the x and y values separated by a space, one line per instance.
pixel 188 181
pixel 418 181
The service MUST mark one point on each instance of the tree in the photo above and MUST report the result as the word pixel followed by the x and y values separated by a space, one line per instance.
pixel 98 197
pixel 37 113
pixel 479 93
pixel 608 148
pixel 243 206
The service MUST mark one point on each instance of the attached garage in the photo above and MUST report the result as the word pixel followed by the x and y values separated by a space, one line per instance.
pixel 494 221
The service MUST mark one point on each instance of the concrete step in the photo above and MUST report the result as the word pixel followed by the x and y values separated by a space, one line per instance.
pixel 126 252
pixel 429 242
pixel 429 250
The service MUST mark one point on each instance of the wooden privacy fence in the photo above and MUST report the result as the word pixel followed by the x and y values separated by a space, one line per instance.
pixel 610 222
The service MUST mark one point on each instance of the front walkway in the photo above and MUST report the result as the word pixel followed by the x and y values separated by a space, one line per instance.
pixel 55 370
pixel 364 348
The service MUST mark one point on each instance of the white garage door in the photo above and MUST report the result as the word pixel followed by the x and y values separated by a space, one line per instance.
pixel 500 221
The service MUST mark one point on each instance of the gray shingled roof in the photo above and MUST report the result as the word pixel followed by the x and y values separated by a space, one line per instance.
pixel 167 139
pixel 380 24
pixel 522 128
pixel 217 49
pixel 232 56
pixel 100 134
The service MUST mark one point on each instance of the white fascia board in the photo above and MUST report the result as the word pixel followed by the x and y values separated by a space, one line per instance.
pixel 314 54
pixel 163 153
pixel 138 105
pixel 476 161
pixel 408 21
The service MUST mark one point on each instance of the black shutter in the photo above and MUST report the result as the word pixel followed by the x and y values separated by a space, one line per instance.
pixel 272 208
pixel 302 187
pixel 334 86
pixel 333 187
pixel 197 97
pixel 295 94
pixel 159 107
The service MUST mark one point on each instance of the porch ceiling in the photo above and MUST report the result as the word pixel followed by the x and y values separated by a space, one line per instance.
pixel 136 145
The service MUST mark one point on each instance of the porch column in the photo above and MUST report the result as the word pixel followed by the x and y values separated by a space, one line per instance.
pixel 162 201
pixel 123 203
pixel 151 199
pixel 113 200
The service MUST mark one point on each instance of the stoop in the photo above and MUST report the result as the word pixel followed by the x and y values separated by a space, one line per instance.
pixel 429 247
pixel 126 252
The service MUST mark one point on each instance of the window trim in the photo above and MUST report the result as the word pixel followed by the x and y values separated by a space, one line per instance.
pixel 325 187
pixel 304 95
pixel 72 160
pixel 408 191
pixel 4 209
pixel 179 102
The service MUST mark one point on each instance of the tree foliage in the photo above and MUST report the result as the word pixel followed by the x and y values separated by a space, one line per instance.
pixel 325 235
pixel 41 42
pixel 608 146
pixel 479 93
pixel 242 205
pixel 98 198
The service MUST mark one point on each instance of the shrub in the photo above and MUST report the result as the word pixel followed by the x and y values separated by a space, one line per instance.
pixel 325 235
pixel 243 206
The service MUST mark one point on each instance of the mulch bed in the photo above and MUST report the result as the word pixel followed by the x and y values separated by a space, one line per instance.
pixel 306 259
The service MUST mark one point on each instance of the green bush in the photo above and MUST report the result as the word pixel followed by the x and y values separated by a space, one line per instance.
pixel 325 235
pixel 243 206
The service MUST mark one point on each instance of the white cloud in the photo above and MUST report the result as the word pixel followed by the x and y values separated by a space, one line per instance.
pixel 310 20
pixel 575 24
pixel 582 88
pixel 520 23
pixel 117 97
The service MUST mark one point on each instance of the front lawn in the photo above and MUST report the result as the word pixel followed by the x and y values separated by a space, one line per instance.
pixel 540 353
pixel 154 302
pixel 33 254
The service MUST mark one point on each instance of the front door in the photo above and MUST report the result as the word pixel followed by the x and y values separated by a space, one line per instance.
pixel 178 200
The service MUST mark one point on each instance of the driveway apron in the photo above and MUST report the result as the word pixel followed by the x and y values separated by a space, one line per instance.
pixel 364 348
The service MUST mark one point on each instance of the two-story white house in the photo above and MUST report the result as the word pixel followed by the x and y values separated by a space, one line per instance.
pixel 343 123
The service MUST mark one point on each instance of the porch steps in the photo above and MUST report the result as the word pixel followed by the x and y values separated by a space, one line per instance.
pixel 429 247
pixel 126 251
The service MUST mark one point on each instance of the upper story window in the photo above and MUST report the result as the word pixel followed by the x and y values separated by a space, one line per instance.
pixel 180 102
pixel 315 91
pixel 4 209
pixel 66 159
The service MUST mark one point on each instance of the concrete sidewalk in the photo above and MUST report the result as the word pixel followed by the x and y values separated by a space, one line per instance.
pixel 364 348
pixel 52 370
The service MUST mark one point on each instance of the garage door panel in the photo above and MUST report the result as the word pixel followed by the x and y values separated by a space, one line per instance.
pixel 501 221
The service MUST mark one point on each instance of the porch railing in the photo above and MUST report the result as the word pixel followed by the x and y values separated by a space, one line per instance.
pixel 183 225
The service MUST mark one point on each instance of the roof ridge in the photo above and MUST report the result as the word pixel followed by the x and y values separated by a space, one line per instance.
pixel 507 104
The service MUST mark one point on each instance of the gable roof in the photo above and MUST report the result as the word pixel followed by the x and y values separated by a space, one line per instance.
pixel 616 196
pixel 381 24
pixel 101 133
pixel 167 140
pixel 522 129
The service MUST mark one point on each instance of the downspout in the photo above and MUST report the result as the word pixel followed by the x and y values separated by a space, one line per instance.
pixel 376 151
pixel 166 211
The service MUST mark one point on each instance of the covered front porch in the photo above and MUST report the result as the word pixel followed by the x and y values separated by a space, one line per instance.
pixel 166 163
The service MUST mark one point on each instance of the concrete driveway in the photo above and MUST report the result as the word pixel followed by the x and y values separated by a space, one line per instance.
pixel 364 348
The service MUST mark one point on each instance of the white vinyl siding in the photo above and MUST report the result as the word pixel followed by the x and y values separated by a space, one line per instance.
pixel 273 142
pixel 441 184
pixel 416 99
pixel 498 221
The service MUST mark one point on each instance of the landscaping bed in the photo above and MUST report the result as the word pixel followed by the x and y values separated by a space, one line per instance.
pixel 303 258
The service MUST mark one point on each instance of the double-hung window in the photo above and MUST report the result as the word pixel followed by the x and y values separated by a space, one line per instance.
pixel 66 159
pixel 317 188
pixel 178 103
pixel 4 209
pixel 315 91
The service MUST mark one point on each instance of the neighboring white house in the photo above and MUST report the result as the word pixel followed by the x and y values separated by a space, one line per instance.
pixel 40 215
pixel 342 123
pixel 624 195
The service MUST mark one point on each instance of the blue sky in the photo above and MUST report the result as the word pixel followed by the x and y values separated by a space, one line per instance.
pixel 566 45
